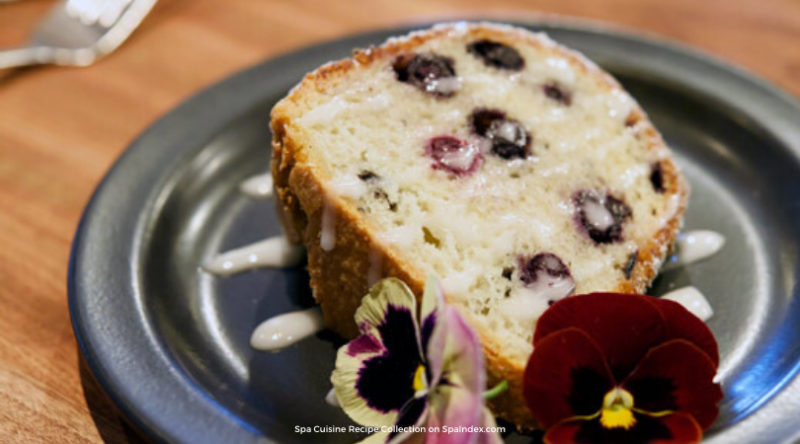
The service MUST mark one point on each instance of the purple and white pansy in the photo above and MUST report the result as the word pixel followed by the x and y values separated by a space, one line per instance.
pixel 410 372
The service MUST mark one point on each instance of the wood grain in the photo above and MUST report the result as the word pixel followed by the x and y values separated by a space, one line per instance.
pixel 61 129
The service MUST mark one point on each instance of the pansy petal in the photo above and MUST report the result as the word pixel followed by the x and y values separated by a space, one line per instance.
pixel 488 423
pixel 670 429
pixel 682 324
pixel 676 376
pixel 456 365
pixel 454 407
pixel 566 376
pixel 408 438
pixel 398 364
pixel 388 296
pixel 455 354
pixel 345 378
pixel 374 374
pixel 414 414
pixel 432 301
pixel 624 326
pixel 375 438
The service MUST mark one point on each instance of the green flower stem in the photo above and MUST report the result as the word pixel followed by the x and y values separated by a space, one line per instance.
pixel 495 391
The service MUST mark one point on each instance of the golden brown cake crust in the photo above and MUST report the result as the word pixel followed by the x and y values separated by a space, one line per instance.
pixel 339 278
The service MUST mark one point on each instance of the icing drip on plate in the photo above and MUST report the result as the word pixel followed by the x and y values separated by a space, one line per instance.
pixel 259 186
pixel 273 252
pixel 279 332
pixel 331 399
pixel 692 300
pixel 694 246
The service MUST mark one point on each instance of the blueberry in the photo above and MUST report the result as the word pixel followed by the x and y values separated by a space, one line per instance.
pixel 546 262
pixel 380 194
pixel 657 177
pixel 547 275
pixel 368 176
pixel 453 155
pixel 557 92
pixel 508 137
pixel 508 151
pixel 630 264
pixel 372 180
pixel 481 120
pixel 497 55
pixel 601 216
pixel 431 73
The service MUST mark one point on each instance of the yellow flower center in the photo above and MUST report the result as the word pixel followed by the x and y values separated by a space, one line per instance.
pixel 617 410
pixel 419 378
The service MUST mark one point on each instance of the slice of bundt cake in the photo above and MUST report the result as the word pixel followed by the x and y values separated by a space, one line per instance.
pixel 511 167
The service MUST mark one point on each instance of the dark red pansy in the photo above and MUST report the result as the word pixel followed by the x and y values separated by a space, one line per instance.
pixel 676 376
pixel 682 324
pixel 618 368
pixel 674 428
pixel 554 381
pixel 624 326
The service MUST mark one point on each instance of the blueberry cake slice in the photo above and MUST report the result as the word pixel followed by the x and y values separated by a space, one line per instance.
pixel 511 167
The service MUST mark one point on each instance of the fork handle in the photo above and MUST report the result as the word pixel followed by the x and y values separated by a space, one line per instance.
pixel 19 57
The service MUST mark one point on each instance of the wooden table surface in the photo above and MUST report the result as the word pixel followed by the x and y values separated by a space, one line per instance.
pixel 62 128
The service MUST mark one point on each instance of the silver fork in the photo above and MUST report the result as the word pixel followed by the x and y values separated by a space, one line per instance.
pixel 78 32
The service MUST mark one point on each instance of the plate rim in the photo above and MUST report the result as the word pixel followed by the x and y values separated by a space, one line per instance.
pixel 91 284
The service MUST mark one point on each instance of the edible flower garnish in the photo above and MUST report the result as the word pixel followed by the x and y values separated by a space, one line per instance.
pixel 407 373
pixel 622 369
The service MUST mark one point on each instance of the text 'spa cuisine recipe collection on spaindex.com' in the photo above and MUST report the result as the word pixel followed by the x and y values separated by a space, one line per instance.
pixel 395 429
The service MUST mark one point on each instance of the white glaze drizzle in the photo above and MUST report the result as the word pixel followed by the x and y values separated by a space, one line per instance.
pixel 597 214
pixel 694 246
pixel 558 68
pixel 551 288
pixel 533 299
pixel 524 308
pixel 461 159
pixel 693 300
pixel 324 114
pixel 273 252
pixel 349 186
pixel 279 332
pixel 445 85
pixel 507 131
pixel 327 236
pixel 259 186
pixel 331 398
pixel 620 105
